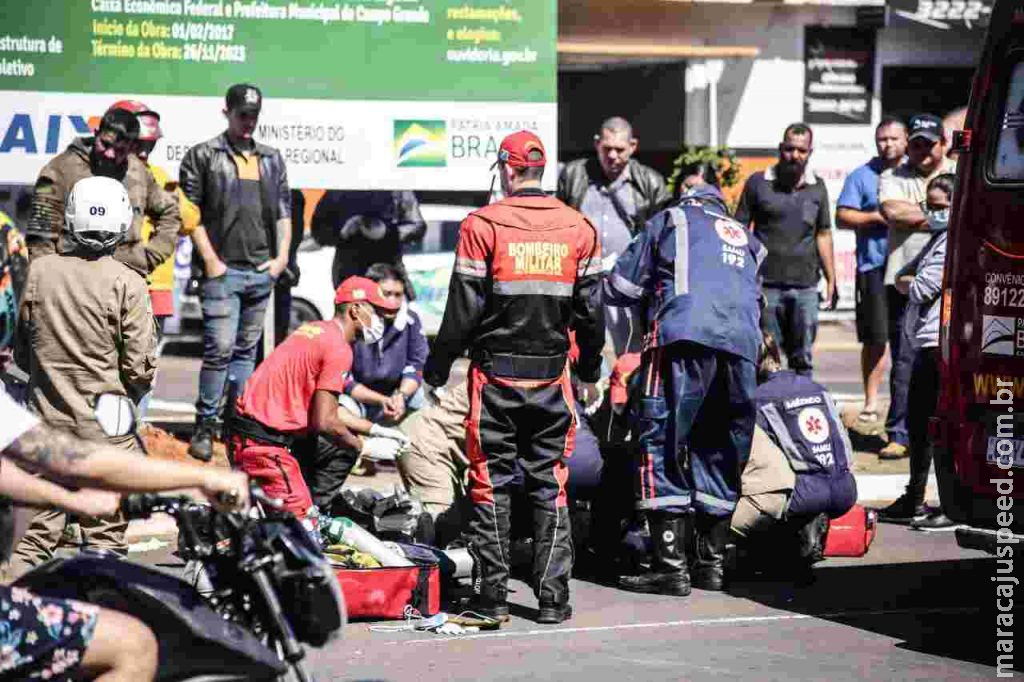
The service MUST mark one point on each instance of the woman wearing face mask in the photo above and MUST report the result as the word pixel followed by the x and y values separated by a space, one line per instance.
pixel 921 280
pixel 288 431
pixel 387 371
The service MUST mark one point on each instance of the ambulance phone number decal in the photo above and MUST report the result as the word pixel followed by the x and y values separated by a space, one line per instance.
pixel 1002 333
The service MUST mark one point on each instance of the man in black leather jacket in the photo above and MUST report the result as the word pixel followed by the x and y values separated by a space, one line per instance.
pixel 241 187
pixel 618 195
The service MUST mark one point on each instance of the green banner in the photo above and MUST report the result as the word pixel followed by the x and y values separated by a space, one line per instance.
pixel 424 50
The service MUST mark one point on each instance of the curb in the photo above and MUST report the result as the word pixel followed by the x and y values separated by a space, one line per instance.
pixel 887 487
pixel 158 526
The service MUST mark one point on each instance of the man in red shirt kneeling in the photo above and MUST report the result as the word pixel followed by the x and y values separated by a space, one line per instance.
pixel 287 426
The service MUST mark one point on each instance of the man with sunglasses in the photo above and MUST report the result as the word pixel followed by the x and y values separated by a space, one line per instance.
pixel 108 154
pixel 787 208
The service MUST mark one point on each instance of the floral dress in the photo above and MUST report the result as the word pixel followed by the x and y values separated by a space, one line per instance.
pixel 42 638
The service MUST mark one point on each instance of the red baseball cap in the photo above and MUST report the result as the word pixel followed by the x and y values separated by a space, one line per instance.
pixel 363 290
pixel 522 150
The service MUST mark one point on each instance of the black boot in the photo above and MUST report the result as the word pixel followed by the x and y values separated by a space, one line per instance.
pixel 491 608
pixel 552 614
pixel 710 539
pixel 201 447
pixel 488 537
pixel 668 574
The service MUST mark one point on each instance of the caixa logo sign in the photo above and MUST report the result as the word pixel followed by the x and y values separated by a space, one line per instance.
pixel 28 134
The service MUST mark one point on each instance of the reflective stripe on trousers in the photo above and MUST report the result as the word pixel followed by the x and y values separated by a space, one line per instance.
pixel 695 425
pixel 534 423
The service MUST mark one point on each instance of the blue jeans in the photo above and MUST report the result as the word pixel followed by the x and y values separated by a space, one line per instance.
pixel 233 309
pixel 901 350
pixel 791 316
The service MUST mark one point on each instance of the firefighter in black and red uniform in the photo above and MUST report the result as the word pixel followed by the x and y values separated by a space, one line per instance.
pixel 527 270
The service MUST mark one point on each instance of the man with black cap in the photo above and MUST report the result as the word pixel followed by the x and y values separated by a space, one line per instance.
pixel 901 191
pixel 527 271
pixel 241 188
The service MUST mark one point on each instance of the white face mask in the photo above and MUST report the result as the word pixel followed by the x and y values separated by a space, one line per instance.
pixel 938 219
pixel 375 332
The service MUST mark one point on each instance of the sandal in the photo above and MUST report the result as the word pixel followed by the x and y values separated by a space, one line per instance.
pixel 867 416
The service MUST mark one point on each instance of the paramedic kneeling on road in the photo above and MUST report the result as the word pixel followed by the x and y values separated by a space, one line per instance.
pixel 527 270
pixel 798 472
pixel 292 399
pixel 697 267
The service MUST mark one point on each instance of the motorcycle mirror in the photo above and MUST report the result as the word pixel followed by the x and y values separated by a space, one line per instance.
pixel 115 414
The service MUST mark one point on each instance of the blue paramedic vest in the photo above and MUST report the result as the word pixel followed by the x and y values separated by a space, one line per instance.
pixel 698 268
pixel 802 420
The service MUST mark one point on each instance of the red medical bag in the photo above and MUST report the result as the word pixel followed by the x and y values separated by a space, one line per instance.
pixel 385 592
pixel 851 534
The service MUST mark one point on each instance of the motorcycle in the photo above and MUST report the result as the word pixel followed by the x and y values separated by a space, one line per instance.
pixel 270 590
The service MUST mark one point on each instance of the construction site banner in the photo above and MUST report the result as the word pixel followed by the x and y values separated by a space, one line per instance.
pixel 385 94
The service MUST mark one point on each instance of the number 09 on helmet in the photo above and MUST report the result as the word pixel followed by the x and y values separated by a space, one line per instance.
pixel 98 213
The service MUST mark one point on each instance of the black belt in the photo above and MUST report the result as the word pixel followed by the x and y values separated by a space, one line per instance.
pixel 536 367
pixel 241 425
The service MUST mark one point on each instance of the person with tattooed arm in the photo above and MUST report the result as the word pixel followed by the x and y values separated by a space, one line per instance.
pixel 97 643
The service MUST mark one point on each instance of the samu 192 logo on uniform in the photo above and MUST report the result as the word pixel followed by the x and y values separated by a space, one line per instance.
pixel 813 425
pixel 731 232
pixel 734 242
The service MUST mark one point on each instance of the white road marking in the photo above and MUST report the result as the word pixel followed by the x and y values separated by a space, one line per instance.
pixel 734 620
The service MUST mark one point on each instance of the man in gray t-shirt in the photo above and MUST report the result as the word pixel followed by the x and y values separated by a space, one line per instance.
pixel 900 193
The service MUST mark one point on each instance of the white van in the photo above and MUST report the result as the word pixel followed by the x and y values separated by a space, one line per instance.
pixel 428 262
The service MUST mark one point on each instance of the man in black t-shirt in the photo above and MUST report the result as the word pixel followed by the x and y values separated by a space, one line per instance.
pixel 241 187
pixel 787 208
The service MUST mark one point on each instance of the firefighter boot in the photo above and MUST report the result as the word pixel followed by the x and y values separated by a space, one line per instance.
pixel 710 539
pixel 668 574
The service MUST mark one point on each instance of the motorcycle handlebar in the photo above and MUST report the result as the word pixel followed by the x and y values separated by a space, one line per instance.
pixel 143 505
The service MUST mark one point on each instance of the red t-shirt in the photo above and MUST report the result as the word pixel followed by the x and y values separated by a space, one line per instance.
pixel 315 357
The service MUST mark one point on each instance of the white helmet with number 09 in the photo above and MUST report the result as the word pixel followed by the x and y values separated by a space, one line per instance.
pixel 98 213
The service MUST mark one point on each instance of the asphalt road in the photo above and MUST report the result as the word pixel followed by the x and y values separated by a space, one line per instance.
pixel 916 607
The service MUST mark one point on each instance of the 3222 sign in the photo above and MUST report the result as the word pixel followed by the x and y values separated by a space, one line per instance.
pixel 962 15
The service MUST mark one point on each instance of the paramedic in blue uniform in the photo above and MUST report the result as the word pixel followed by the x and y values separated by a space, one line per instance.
pixel 697 269
pixel 802 453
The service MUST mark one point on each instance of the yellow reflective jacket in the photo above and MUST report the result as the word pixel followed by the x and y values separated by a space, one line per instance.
pixel 162 279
